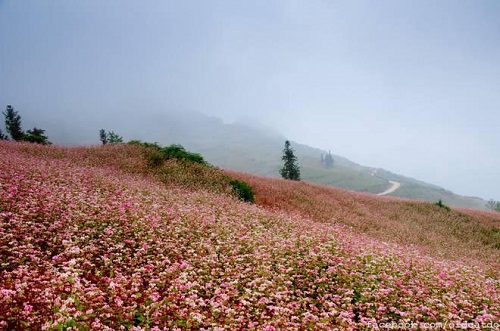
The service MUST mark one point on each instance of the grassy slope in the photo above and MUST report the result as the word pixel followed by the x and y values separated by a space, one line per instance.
pixel 342 177
pixel 452 234
pixel 257 150
pixel 455 234
pixel 92 238
pixel 415 189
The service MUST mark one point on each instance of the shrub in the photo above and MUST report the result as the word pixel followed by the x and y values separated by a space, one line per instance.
pixel 243 190
pixel 174 151
pixel 176 165
pixel 154 158
pixel 440 204
pixel 37 136
pixel 178 152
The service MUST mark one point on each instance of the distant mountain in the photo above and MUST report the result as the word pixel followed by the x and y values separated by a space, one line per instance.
pixel 252 147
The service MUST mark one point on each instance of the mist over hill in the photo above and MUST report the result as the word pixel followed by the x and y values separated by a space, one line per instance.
pixel 245 145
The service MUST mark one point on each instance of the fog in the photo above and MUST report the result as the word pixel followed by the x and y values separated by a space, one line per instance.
pixel 412 87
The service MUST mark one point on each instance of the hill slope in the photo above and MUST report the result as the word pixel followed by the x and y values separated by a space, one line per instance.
pixel 257 149
pixel 92 238
pixel 251 148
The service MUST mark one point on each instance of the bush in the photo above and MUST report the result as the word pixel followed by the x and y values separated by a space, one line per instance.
pixel 176 165
pixel 178 152
pixel 243 190
pixel 154 158
pixel 440 204
pixel 174 151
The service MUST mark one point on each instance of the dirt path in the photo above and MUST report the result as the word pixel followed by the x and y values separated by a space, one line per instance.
pixel 394 187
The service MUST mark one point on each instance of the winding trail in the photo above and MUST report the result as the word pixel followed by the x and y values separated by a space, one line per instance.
pixel 394 187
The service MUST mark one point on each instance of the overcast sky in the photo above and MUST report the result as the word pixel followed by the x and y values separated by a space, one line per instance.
pixel 410 86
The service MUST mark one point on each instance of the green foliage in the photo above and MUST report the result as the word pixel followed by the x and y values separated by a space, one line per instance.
pixel 3 136
pixel 178 152
pixel 114 138
pixel 14 128
pixel 109 137
pixel 328 160
pixel 135 142
pixel 37 135
pixel 154 158
pixel 176 165
pixel 243 190
pixel 144 144
pixel 493 205
pixel 157 154
pixel 13 123
pixel 103 136
pixel 440 204
pixel 290 168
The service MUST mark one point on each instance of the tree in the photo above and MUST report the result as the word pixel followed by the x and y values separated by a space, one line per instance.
pixel 290 168
pixel 13 123
pixel 2 136
pixel 114 138
pixel 329 160
pixel 37 135
pixel 103 136
pixel 109 137
pixel 14 128
pixel 493 205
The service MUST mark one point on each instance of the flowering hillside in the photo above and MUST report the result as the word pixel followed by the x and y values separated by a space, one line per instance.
pixel 90 240
pixel 457 234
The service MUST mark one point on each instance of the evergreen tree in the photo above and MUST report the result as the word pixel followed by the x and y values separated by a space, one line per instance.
pixel 109 137
pixel 36 135
pixel 103 136
pixel 2 136
pixel 14 128
pixel 329 160
pixel 493 205
pixel 13 123
pixel 114 138
pixel 290 168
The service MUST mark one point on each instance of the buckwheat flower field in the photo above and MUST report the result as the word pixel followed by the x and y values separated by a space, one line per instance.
pixel 85 246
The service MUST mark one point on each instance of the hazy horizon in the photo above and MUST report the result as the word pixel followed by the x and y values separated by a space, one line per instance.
pixel 411 87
